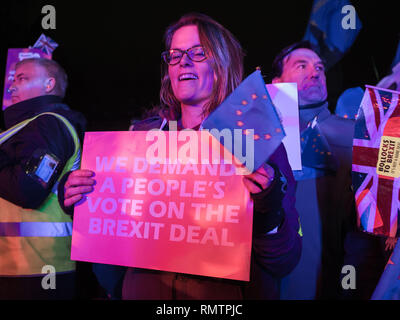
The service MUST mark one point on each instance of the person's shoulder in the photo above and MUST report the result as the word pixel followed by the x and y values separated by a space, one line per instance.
pixel 75 118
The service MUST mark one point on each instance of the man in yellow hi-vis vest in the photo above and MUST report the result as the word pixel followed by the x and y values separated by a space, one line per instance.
pixel 41 143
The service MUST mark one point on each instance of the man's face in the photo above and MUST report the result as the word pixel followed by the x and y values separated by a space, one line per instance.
pixel 29 82
pixel 304 67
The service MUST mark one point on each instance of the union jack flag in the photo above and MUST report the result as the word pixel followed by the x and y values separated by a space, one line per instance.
pixel 377 196
pixel 46 44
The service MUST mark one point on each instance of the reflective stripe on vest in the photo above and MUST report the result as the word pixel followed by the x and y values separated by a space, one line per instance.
pixel 31 239
pixel 35 229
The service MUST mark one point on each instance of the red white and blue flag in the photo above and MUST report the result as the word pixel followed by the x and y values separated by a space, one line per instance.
pixel 376 165
pixel 46 44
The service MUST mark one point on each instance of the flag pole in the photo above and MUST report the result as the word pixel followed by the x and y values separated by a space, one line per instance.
pixel 375 69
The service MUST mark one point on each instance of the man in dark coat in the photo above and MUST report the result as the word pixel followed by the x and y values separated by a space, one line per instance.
pixel 324 199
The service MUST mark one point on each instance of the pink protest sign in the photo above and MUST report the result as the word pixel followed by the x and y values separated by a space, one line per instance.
pixel 179 214
pixel 15 55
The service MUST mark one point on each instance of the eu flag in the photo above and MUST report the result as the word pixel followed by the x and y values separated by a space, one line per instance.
pixel 316 152
pixel 388 287
pixel 329 29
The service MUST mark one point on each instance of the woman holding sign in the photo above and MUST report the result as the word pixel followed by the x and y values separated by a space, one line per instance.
pixel 203 64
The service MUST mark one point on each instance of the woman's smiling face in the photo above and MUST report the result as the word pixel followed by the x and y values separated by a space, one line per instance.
pixel 192 82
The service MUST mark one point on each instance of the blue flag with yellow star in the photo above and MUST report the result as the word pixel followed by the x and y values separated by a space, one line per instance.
pixel 248 112
pixel 348 103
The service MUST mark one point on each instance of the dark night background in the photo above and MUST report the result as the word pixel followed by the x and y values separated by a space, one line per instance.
pixel 111 50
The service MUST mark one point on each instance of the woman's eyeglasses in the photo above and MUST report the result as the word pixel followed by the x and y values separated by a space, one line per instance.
pixel 174 56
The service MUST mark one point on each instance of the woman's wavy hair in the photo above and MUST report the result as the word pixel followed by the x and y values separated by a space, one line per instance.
pixel 227 64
